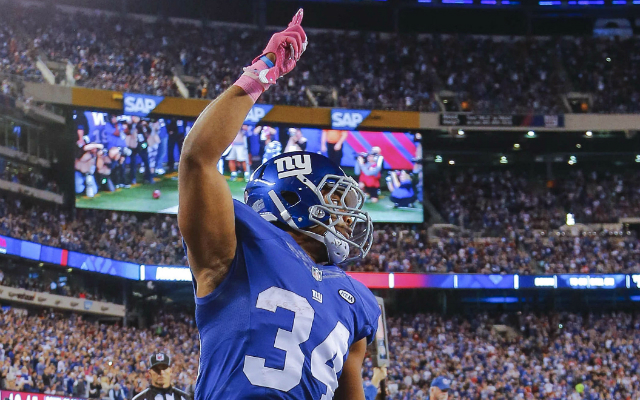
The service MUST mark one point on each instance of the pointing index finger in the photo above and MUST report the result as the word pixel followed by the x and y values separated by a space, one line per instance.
pixel 297 19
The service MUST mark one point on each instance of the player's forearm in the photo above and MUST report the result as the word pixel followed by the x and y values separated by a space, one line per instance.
pixel 216 127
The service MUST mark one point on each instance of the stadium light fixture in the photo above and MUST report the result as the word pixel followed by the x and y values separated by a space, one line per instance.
pixel 638 158
pixel 578 146
pixel 516 146
pixel 460 132
pixel 503 160
pixel 451 162
pixel 438 159
pixel 531 134
pixel 573 160
pixel 589 134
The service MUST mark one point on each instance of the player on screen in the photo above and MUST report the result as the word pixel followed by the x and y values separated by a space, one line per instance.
pixel 369 169
pixel 297 141
pixel 272 147
pixel 400 186
pixel 277 319
pixel 85 163
pixel 239 154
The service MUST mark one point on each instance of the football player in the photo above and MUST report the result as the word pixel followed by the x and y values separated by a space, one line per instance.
pixel 277 318
pixel 239 154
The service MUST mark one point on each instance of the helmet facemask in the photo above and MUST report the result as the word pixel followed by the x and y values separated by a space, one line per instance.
pixel 311 195
pixel 341 202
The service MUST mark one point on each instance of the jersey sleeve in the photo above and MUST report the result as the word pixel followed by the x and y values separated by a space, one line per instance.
pixel 367 313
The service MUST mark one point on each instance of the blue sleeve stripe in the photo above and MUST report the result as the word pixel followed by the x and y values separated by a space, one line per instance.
pixel 266 60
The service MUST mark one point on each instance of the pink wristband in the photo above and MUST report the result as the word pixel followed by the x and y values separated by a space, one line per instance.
pixel 249 81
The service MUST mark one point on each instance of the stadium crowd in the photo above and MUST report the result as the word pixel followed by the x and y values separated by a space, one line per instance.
pixel 496 202
pixel 64 355
pixel 515 356
pixel 54 282
pixel 510 356
pixel 155 240
pixel 28 176
pixel 143 238
pixel 401 72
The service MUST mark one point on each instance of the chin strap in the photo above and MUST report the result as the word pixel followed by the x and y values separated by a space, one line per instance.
pixel 337 248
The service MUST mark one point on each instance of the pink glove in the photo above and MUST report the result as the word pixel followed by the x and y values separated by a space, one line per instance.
pixel 287 46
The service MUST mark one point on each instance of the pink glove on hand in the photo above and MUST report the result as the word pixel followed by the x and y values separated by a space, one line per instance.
pixel 287 46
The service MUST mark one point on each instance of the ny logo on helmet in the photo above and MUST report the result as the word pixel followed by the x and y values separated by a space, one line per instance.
pixel 298 164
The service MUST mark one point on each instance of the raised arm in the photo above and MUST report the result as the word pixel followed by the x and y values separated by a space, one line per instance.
pixel 205 212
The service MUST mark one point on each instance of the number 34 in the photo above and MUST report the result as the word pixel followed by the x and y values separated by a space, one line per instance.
pixel 334 347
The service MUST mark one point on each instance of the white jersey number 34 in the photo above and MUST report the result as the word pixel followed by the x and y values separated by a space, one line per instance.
pixel 334 347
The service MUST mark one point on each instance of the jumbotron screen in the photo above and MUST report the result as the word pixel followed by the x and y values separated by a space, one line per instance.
pixel 129 163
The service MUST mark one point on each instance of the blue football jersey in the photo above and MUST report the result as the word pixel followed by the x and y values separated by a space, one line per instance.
pixel 279 326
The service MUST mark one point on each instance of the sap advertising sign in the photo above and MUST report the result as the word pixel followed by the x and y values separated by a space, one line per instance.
pixel 347 119
pixel 256 113
pixel 140 104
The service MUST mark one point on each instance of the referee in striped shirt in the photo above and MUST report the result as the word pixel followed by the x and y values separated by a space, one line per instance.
pixel 160 374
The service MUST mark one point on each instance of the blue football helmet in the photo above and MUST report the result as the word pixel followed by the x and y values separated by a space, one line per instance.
pixel 302 190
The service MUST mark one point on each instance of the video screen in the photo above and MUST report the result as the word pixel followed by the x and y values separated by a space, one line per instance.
pixel 129 163
pixel 383 163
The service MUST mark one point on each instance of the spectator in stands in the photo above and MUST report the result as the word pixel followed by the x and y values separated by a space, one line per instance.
pixel 439 389
pixel 79 387
pixel 117 393
pixel 95 387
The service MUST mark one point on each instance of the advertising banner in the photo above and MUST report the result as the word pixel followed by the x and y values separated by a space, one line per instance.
pixel 501 120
